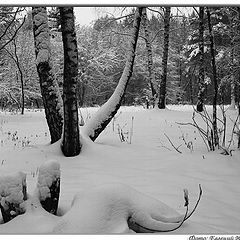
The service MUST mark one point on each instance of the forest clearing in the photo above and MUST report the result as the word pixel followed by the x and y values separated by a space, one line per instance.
pixel 129 124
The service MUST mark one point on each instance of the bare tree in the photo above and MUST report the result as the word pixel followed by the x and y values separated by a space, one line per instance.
pixel 52 100
pixel 15 58
pixel 105 114
pixel 151 76
pixel 201 61
pixel 163 83
pixel 214 78
pixel 71 145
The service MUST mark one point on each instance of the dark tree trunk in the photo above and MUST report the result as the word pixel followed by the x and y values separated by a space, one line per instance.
pixel 233 85
pixel 163 83
pixel 201 61
pixel 214 77
pixel 71 145
pixel 52 100
pixel 100 120
pixel 151 77
pixel 21 76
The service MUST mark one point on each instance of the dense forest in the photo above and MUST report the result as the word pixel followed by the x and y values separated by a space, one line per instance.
pixel 102 50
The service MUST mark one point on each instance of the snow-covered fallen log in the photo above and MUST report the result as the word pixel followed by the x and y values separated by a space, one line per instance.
pixel 13 192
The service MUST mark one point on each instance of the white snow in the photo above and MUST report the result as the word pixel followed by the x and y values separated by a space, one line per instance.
pixel 149 164
pixel 11 189
pixel 49 172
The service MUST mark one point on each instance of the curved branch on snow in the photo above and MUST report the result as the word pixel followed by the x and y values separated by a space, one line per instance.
pixel 186 216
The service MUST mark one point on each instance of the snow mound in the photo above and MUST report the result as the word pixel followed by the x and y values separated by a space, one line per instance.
pixel 11 189
pixel 49 172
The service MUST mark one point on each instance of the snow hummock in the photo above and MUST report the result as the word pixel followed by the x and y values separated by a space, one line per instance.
pixel 49 172
pixel 11 189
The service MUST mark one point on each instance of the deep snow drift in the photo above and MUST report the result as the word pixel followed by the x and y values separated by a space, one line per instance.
pixel 149 164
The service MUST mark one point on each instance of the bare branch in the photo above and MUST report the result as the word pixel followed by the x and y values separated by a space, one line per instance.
pixel 156 11
pixel 196 11
pixel 176 148
pixel 14 35
pixel 9 25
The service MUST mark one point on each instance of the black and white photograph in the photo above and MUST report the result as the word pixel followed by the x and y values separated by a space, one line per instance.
pixel 120 119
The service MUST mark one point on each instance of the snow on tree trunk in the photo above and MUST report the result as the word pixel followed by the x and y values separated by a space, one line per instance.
pixel 13 192
pixel 105 114
pixel 51 97
pixel 48 186
pixel 201 61
pixel 151 77
pixel 214 77
pixel 162 87
pixel 71 145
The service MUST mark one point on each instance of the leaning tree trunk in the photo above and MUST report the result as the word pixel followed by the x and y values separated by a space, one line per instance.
pixel 71 145
pixel 201 61
pixel 163 83
pixel 151 77
pixel 214 77
pixel 105 114
pixel 51 97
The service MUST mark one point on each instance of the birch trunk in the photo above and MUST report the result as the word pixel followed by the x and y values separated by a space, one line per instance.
pixel 100 120
pixel 201 61
pixel 71 145
pixel 51 97
pixel 163 83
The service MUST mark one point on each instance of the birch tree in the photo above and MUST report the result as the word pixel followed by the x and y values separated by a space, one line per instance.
pixel 100 120
pixel 71 145
pixel 52 100
pixel 163 82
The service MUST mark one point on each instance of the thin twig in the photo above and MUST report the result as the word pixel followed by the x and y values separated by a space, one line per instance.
pixel 176 148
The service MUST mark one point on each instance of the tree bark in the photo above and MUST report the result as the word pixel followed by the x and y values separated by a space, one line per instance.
pixel 71 145
pixel 163 83
pixel 201 61
pixel 151 77
pixel 100 120
pixel 52 100
pixel 214 77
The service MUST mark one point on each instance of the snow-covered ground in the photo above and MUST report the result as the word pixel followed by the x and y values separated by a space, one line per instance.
pixel 146 161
